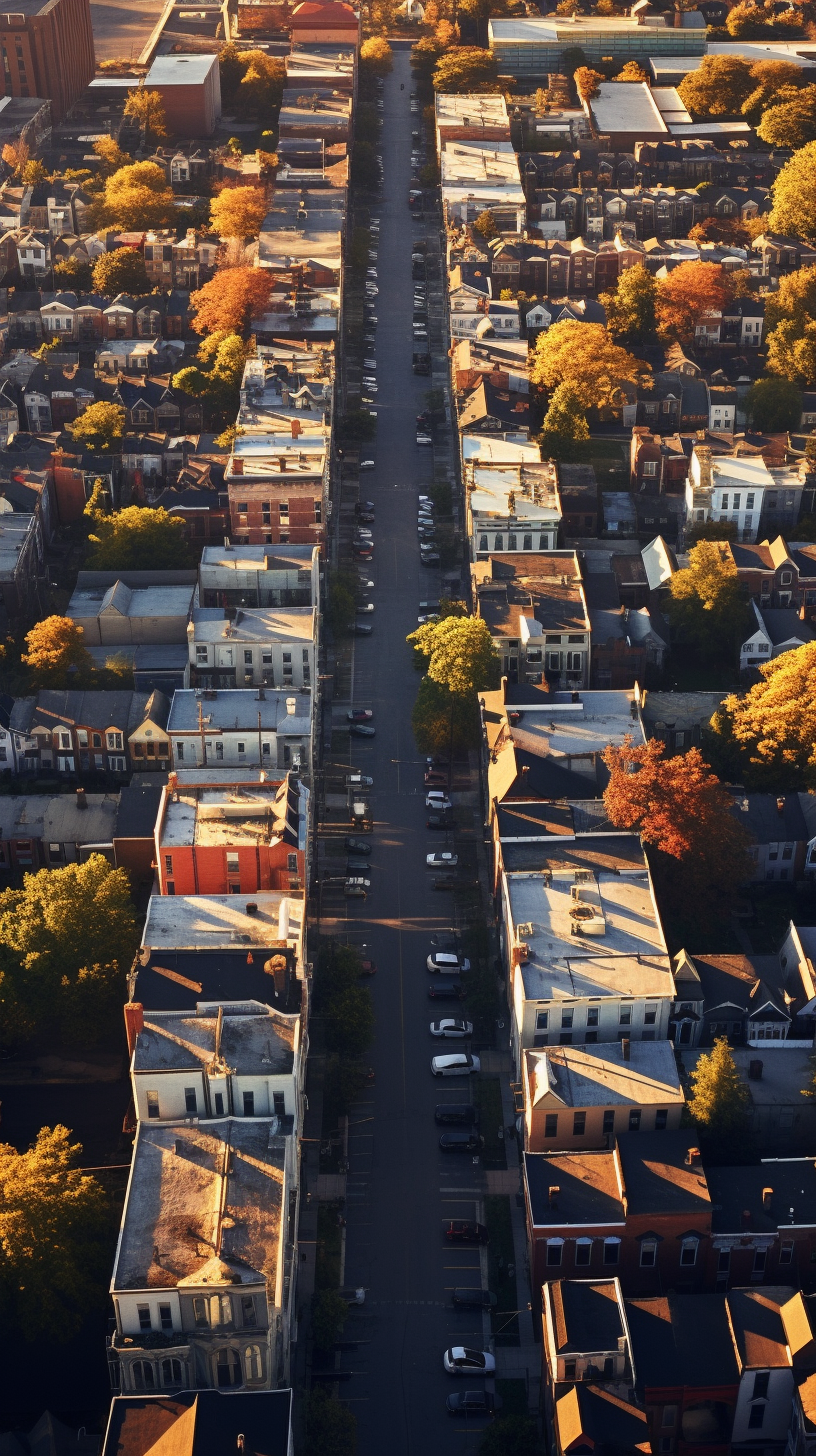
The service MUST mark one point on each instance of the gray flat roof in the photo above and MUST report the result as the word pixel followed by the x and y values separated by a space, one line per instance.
pixel 786 1071
pixel 222 922
pixel 256 1040
pixel 599 1076
pixel 239 710
pixel 626 106
pixel 190 70
pixel 255 624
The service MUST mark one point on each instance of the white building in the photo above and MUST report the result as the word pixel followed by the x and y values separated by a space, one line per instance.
pixel 481 176
pixel 727 488
pixel 257 647
pixel 259 576
pixel 267 729
pixel 512 508
pixel 776 630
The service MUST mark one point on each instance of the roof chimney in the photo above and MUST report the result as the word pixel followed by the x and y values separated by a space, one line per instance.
pixel 626 1047
pixel 780 806
pixel 767 1197
pixel 291 706
pixel 240 1443
pixel 237 467
pixel 81 799
pixel 552 1194
pixel 692 1157
pixel 296 428
pixel 746 1218
pixel 134 1023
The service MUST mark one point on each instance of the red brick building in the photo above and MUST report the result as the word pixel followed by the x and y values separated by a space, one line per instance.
pixel 47 50
pixel 277 495
pixel 688 1375
pixel 233 837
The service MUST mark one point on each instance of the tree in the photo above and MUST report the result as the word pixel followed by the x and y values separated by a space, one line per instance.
pixel 747 21
pixel 365 173
pixel 238 212
pixel 424 56
pixel 690 293
pixel 73 274
pixel 329 1311
pixel 376 56
pixel 111 155
pixel 100 426
pixel 773 727
pixel 791 123
pixel 706 605
pixel 794 196
pixel 792 350
pixel 587 82
pixel 630 310
pixel 220 385
pixel 632 71
pixel 342 591
pixel 230 301
pixel 355 427
pixel 485 225
pixel 460 654
pixel 512 1435
pixel 719 86
pixel 331 1429
pixel 343 1003
pixel 122 271
pixel 769 77
pixel 252 83
pixel 134 198
pixel 774 404
pixel 147 109
pixel 138 538
pixel 794 298
pixel 466 68
pixel 584 356
pixel 720 1100
pixel 15 155
pixel 54 646
pixel 442 722
pixel 54 1227
pixel 681 810
pixel 565 425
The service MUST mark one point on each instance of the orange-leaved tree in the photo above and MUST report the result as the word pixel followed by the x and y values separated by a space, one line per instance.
pixel 684 814
pixel 689 294
pixel 229 302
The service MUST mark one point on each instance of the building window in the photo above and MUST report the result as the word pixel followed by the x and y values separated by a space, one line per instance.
pixel 190 1100
pixel 232 864
pixel 249 1104
pixel 248 657
pixel 570 1369
pixel 648 1254
pixel 592 1016
pixel 219 1104
pixel 179 752
pixel 166 1317
pixel 583 1252
pixel 762 1380
pixel 144 1376
pixel 292 864
pixel 688 1253
pixel 171 1372
pixel 168 863
pixel 114 740
pixel 551 1125
pixel 201 656
pixel 554 1247
pixel 499 546
pixel 634 1120
pixel 611 1251
pixel 227 1369
pixel 542 1018
pixel 756 1417
pixel 661 1118
pixel 579 1124
pixel 609 1120
pixel 723 1261
pixel 252 1362
pixel 143 1311
pixel 528 543
pixel 786 1254
pixel 669 1419
pixel 248 1314
pixel 153 1104
pixel 567 1019
pixel 200 1312
pixel 170 887
pixel 650 1016
pixel 760 1260
pixel 483 546
pixel 625 1016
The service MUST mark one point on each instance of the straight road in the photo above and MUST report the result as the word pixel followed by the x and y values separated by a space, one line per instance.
pixel 400 1186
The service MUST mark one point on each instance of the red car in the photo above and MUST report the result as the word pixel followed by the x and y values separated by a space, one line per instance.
pixel 359 715
pixel 435 779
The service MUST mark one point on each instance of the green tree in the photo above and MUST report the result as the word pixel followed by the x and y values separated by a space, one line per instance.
pixel 220 384
pixel 343 1003
pixel 55 648
pixel 772 727
pixel 329 1311
pixel 443 722
pixel 794 196
pixel 464 69
pixel 459 653
pixel 342 589
pixel 100 426
pixel 331 1429
pixel 774 404
pixel 706 605
pixel 630 310
pixel 565 425
pixel 122 271
pixel 54 1229
pixel 138 538
pixel 355 427
pixel 720 1100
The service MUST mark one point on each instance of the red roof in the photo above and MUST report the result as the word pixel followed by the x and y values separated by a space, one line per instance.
pixel 332 13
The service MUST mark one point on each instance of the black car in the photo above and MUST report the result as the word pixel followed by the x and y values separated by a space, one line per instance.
pixel 466 1140
pixel 472 1403
pixel 475 1299
pixel 357 846
pixel 365 516
pixel 458 1114
pixel 362 629
pixel 445 940
pixel 363 506
pixel 357 864
pixel 464 1231
pixel 446 991
pixel 438 821
pixel 361 730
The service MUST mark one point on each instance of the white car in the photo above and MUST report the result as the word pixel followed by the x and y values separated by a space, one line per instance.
pixel 431 617
pixel 455 1064
pixel 369 363
pixel 451 1026
pixel 366 464
pixel 442 860
pixel 424 440
pixel 461 1361
pixel 365 607
pixel 441 802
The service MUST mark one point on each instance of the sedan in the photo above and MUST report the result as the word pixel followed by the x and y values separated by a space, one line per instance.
pixel 446 991
pixel 363 629
pixel 439 802
pixel 455 1064
pixel 369 363
pixel 464 1231
pixel 367 968
pixel 430 558
pixel 371 273
pixel 424 440
pixel 472 1403
pixel 360 715
pixel 366 464
pixel 356 846
pixel 365 584
pixel 361 730
pixel 442 860
pixel 354 891
pixel 363 549
pixel 451 1026
pixel 367 516
pixel 364 607
pixel 430 617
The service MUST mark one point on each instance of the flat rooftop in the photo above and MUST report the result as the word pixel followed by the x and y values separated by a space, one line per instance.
pixel 221 816
pixel 557 726
pixel 553 28
pixel 598 1076
pixel 628 959
pixel 235 710
pixel 626 106
pixel 189 70
pixel 254 624
pixel 588 1189
pixel 256 1041
pixel 474 109
pixel 204 1205
pixel 126 601
pixel 505 452
pixel 256 559
pixel 786 1071
pixel 222 922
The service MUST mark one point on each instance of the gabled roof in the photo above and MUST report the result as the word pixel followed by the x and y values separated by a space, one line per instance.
pixel 197 1423
pixel 595 1418
pixel 587 1316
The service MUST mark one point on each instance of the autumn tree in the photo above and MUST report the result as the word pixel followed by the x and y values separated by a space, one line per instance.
pixel 485 225
pixel 134 198
pixel 217 377
pixel 230 301
pixel 706 606
pixel 719 86
pixel 587 82
pixel 54 647
pixel 769 78
pixel 100 426
pixel 720 1100
pixel 772 727
pixel 466 68
pixel 459 654
pixel 252 83
pixel 444 722
pixel 791 122
pixel 122 271
pixel 632 71
pixel 424 56
pixel 376 57
pixel 75 275
pixel 630 310
pixel 689 293
pixel 111 155
pixel 137 539
pixel 699 850
pixel 238 212
pixel 584 357
pixel 774 404
pixel 55 1224
pixel 15 155
pixel 146 108
pixel 794 196
pixel 565 425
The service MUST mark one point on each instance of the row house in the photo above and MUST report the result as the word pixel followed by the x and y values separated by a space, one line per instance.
pixel 777 575
pixel 727 488
pixel 53 396
pixel 232 833
pixel 774 630
pixel 112 613
pixel 512 507
pixel 187 167
pixel 257 576
pixel 138 356
pixel 164 315
pixel 265 729
pixel 42 832
pixel 589 1399
pixel 277 391
pixel 750 1000
pixel 536 612
pixel 658 464
pixel 472 315
pixel 556 311
pixel 277 488
pixel 185 263
pixel 739 324
pixel 487 410
pixel 56 207
pixel 33 251
pixel 504 361
pixel 576 1097
pixel 202 508
pixel 779 255
pixel 72 732
pixel 253 647
pixel 154 404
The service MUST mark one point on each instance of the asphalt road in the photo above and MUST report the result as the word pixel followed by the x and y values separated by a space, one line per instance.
pixel 400 1186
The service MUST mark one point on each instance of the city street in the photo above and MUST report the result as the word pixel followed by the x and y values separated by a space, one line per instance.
pixel 400 1186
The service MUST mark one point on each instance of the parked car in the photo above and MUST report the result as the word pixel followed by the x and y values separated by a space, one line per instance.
pixel 444 882
pixel 430 558
pixel 461 1141
pixel 367 968
pixel 360 715
pixel 362 629
pixel 445 939
pixel 357 864
pixel 435 778
pixel 366 464
pixel 363 505
pixel 356 846
pixel 456 1114
pixel 442 860
pixel 361 730
pixel 473 1403
pixel 356 889
pixel 363 550
pixel 424 440
pixel 364 607
pixel 438 821
pixel 474 1299
pixel 455 1064
pixel 353 1296
pixel 365 516
pixel 448 962
pixel 358 781
pixel 436 799
pixel 464 1231
pixel 446 990
pixel 451 1026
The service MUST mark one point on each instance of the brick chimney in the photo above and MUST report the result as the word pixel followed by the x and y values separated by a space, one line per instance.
pixel 81 799
pixel 134 1023
pixel 692 1157
pixel 626 1048
pixel 296 429
pixel 767 1199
